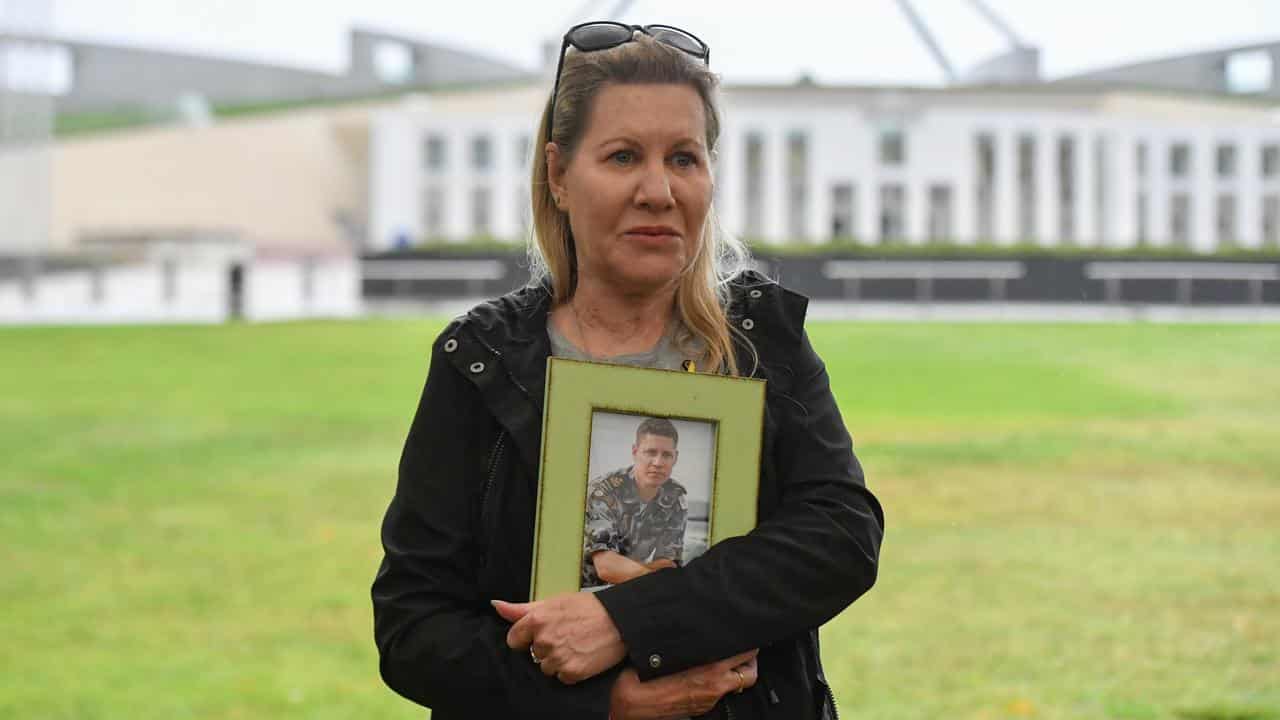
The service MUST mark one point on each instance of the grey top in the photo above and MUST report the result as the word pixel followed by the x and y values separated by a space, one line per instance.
pixel 666 355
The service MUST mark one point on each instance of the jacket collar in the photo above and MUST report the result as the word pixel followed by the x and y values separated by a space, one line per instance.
pixel 513 330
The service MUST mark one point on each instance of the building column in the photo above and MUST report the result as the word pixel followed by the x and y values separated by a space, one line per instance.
pixel 866 185
pixel 1158 190
pixel 502 210
pixel 915 205
pixel 820 207
pixel 775 185
pixel 964 202
pixel 1122 189
pixel 396 181
pixel 813 199
pixel 1005 225
pixel 1204 193
pixel 727 172
pixel 1086 178
pixel 1248 189
pixel 1047 188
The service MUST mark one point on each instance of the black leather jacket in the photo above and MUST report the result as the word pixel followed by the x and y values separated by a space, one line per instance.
pixel 459 531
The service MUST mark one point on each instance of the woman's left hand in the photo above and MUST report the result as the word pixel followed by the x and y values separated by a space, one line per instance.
pixel 572 636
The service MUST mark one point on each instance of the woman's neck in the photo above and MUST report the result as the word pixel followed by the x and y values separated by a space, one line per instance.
pixel 604 323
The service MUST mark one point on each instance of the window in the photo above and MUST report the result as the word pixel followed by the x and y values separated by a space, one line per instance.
pixel 308 279
pixel 36 68
pixel 1270 161
pixel 1248 72
pixel 939 213
pixel 893 201
pixel 435 152
pixel 1144 235
pixel 1180 160
pixel 842 195
pixel 753 184
pixel 1226 161
pixel 524 151
pixel 1067 188
pixel 1226 212
pixel 481 152
pixel 169 277
pixel 433 212
pixel 1271 220
pixel 393 62
pixel 893 148
pixel 1180 219
pixel 98 284
pixel 524 207
pixel 797 185
pixel 481 198
pixel 985 160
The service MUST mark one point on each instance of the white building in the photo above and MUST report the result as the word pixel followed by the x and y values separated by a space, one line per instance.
pixel 1046 164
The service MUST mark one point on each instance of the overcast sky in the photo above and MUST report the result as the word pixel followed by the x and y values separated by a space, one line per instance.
pixel 848 41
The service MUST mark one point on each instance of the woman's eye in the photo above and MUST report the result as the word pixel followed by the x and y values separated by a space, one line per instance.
pixel 686 159
pixel 622 157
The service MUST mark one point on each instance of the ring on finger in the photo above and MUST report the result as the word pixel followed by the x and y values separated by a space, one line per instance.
pixel 742 681
pixel 536 660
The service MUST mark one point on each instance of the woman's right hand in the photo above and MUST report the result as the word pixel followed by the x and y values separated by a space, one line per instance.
pixel 684 694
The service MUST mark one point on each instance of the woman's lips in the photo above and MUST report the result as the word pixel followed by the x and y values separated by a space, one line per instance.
pixel 646 238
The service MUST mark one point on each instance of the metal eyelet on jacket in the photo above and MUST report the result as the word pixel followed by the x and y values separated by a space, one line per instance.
pixel 477 368
pixel 450 345
pixel 755 294
pixel 748 324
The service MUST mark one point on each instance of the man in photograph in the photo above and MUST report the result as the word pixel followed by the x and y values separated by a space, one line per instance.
pixel 636 515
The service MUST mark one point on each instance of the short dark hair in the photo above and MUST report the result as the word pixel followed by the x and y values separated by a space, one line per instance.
pixel 658 426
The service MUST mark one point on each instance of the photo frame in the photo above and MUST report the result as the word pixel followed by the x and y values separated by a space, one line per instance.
pixel 640 467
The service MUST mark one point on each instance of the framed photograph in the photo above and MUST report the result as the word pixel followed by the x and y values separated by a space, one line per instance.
pixel 641 470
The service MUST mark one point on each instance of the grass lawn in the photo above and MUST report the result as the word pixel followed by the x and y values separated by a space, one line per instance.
pixel 1084 521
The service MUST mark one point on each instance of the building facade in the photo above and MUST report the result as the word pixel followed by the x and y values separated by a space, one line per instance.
pixel 1051 166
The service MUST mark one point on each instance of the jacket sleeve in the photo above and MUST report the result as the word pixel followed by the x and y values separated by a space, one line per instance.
pixel 801 566
pixel 440 643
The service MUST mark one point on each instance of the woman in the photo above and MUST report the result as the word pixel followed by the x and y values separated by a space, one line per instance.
pixel 630 270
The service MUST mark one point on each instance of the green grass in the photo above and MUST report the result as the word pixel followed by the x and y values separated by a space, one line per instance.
pixel 1082 519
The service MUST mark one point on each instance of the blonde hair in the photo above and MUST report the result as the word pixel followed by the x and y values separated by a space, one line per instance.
pixel 702 294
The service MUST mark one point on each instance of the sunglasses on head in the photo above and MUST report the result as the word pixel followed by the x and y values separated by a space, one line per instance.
pixel 602 35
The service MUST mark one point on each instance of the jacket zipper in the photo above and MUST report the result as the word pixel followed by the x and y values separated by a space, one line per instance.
pixel 493 472
pixel 834 708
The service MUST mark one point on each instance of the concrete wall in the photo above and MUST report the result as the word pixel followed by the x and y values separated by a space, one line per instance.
pixel 281 290
pixel 279 180
pixel 183 293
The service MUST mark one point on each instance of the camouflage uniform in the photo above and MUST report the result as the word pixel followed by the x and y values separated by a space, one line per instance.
pixel 619 520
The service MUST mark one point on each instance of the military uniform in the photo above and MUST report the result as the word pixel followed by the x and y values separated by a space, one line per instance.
pixel 619 519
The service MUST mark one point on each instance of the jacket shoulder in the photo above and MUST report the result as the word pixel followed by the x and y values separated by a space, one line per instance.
pixel 496 319
pixel 775 312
